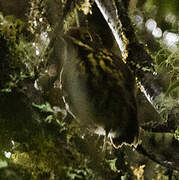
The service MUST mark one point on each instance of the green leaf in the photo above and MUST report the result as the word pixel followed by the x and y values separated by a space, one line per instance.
pixel 1 17
pixel 3 164
pixel 112 164
pixel 176 135
pixel 23 76
pixel 43 107
pixel 172 87
pixel 8 90
pixel 49 118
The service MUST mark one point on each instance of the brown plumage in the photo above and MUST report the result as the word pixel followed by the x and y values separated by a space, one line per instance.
pixel 100 88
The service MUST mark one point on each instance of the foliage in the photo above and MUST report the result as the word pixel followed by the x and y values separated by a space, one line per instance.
pixel 168 62
pixel 3 164
pixel 45 142
pixel 176 135
pixel 37 17
pixel 52 113
pixel 24 46
pixel 172 87
pixel 19 58
pixel 46 158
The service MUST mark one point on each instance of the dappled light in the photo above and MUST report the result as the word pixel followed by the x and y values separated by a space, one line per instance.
pixel 157 32
pixel 151 25
pixel 7 154
pixel 171 39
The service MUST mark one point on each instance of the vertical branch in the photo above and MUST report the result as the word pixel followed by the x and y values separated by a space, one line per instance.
pixel 109 11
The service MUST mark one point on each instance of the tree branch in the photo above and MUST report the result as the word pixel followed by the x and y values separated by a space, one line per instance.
pixel 109 11
pixel 161 148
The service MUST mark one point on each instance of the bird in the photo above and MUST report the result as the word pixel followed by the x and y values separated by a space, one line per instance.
pixel 99 88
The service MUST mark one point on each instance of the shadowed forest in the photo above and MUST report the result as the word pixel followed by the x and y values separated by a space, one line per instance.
pixel 89 90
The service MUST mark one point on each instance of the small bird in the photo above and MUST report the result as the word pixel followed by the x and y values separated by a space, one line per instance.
pixel 99 88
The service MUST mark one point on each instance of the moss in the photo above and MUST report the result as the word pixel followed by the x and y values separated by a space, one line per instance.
pixel 19 59
pixel 176 135
pixel 45 158
pixel 39 158
pixel 14 58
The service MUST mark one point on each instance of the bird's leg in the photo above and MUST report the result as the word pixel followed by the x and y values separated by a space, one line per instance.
pixel 105 139
pixel 111 140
